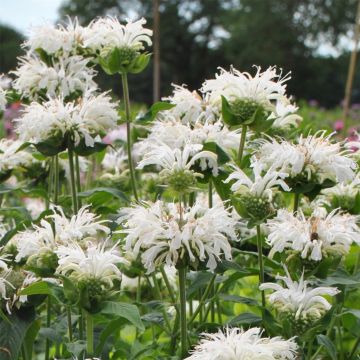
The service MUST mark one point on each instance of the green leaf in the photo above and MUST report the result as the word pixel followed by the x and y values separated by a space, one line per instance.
pixel 52 146
pixel 109 330
pixel 222 156
pixel 245 318
pixel 30 337
pixel 12 334
pixel 327 344
pixel 76 348
pixel 228 116
pixel 239 299
pixel 140 63
pixel 104 190
pixel 222 189
pixel 150 115
pixel 45 288
pixel 82 149
pixel 124 310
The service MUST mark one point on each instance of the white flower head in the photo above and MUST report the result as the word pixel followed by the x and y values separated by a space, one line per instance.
pixel 11 158
pixel 68 75
pixel 161 235
pixel 189 106
pixel 315 237
pixel 285 115
pixel 238 344
pixel 314 156
pixel 105 34
pixel 3 87
pixel 299 300
pixel 263 88
pixel 81 225
pixel 261 186
pixel 175 160
pixel 115 161
pixel 93 116
pixel 94 262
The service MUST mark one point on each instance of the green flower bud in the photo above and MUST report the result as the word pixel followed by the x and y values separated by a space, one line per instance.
pixel 244 108
pixel 253 207
pixel 93 293
pixel 43 263
pixel 181 181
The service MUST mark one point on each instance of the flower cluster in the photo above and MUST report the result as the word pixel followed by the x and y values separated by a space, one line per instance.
pixel 164 233
pixel 316 237
pixel 238 344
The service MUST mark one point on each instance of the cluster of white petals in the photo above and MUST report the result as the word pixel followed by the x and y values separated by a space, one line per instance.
pixel 115 161
pixel 285 115
pixel 239 344
pixel 104 34
pixel 39 238
pixel 11 158
pixel 347 189
pixel 87 119
pixel 190 107
pixel 55 40
pixel 175 160
pixel 263 183
pixel 3 100
pixel 314 157
pixel 94 262
pixel 299 300
pixel 66 76
pixel 263 88
pixel 315 237
pixel 164 233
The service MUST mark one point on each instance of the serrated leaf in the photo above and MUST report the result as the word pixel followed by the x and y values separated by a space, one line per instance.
pixel 129 312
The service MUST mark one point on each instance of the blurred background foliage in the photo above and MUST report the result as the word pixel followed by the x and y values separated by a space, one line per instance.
pixel 197 36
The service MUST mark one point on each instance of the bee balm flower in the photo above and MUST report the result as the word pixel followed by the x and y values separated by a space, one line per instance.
pixel 237 344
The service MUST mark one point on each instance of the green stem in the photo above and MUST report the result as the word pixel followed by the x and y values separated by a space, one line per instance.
pixel 296 202
pixel 89 334
pixel 355 347
pixel 128 132
pixel 48 323
pixel 174 334
pixel 69 321
pixel 168 286
pixel 242 143
pixel 261 267
pixel 78 183
pixel 56 182
pixel 183 322
pixel 212 304
pixel 81 325
pixel 203 298
pixel 72 177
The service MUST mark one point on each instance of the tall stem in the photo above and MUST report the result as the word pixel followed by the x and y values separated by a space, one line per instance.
pixel 56 179
pixel 78 183
pixel 183 322
pixel 128 133
pixel 261 267
pixel 212 304
pixel 81 324
pixel 296 202
pixel 242 143
pixel 48 323
pixel 69 321
pixel 89 334
pixel 72 178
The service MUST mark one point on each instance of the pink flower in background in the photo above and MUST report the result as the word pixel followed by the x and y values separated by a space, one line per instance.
pixel 11 113
pixel 116 134
pixel 339 125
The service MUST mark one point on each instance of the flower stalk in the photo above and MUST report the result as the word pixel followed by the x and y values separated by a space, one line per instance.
pixel 242 143
pixel 183 320
pixel 125 86
pixel 261 267
pixel 89 334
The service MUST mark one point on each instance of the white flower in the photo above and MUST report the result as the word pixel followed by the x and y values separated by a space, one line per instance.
pixel 298 299
pixel 285 115
pixel 314 156
pixel 108 33
pixel 66 76
pixel 11 158
pixel 261 186
pixel 262 89
pixel 161 235
pixel 315 237
pixel 79 226
pixel 115 161
pixel 93 116
pixel 34 240
pixel 3 100
pixel 94 262
pixel 348 189
pixel 4 283
pixel 189 106
pixel 175 160
pixel 5 82
pixel 55 40
pixel 238 344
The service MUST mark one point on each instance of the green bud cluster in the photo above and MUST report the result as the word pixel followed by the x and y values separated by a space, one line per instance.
pixel 93 292
pixel 43 263
pixel 181 181
pixel 244 108
pixel 256 208
pixel 126 55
